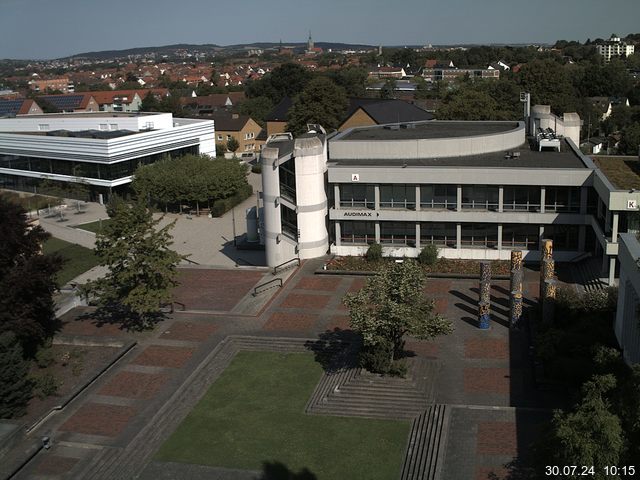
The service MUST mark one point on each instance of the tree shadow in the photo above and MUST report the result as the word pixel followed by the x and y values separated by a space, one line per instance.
pixel 335 349
pixel 125 319
pixel 279 471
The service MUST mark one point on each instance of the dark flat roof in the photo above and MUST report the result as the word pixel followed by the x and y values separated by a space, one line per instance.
pixel 528 159
pixel 429 130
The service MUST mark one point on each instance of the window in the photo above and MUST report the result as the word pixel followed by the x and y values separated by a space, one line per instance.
pixel 479 197
pixel 289 222
pixel 521 198
pixel 398 233
pixel 359 233
pixel 398 196
pixel 228 137
pixel 220 137
pixel 562 199
pixel 441 234
pixel 479 235
pixel 103 126
pixel 565 237
pixel 521 236
pixel 357 196
pixel 287 174
pixel 113 126
pixel 43 127
pixel 439 196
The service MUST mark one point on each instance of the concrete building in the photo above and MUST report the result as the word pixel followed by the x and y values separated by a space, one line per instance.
pixel 99 150
pixel 627 325
pixel 477 190
pixel 61 84
pixel 614 47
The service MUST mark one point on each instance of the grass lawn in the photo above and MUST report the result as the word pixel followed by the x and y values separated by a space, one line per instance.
pixel 93 226
pixel 254 413
pixel 78 259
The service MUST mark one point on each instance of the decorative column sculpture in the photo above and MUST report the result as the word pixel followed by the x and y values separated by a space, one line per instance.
pixel 546 247
pixel 517 277
pixel 484 303
pixel 549 300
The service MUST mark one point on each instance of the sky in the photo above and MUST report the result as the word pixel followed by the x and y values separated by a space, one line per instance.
pixel 44 29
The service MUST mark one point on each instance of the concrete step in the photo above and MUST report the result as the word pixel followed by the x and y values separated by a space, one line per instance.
pixel 425 445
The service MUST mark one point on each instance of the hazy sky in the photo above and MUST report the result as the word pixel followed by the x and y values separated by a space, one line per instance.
pixel 57 28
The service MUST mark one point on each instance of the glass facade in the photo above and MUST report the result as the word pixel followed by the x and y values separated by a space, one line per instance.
pixel 521 198
pixel 565 237
pixel 441 234
pixel 357 233
pixel 479 235
pixel 439 197
pixel 479 197
pixel 98 171
pixel 398 196
pixel 289 222
pixel 525 237
pixel 398 233
pixel 357 196
pixel 562 199
pixel 287 174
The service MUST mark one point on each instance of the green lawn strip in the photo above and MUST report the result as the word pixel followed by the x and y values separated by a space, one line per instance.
pixel 254 413
pixel 77 259
pixel 93 226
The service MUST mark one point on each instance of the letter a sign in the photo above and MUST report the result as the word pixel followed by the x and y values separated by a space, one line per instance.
pixel 355 177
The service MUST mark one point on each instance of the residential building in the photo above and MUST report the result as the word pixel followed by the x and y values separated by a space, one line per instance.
pixel 477 190
pixel 99 150
pixel 387 72
pixel 61 84
pixel 212 103
pixel 375 111
pixel 69 103
pixel 22 106
pixel 241 127
pixel 449 74
pixel 614 47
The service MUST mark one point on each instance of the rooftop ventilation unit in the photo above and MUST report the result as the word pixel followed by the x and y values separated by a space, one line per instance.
pixel 392 127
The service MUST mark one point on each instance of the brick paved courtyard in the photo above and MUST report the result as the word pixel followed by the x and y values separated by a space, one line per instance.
pixel 484 374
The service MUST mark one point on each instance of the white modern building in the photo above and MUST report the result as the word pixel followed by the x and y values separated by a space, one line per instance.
pixel 627 325
pixel 614 47
pixel 477 190
pixel 101 150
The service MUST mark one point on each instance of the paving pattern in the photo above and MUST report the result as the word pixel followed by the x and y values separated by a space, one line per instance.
pixel 471 394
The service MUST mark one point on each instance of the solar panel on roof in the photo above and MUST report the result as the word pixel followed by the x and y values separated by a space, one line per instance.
pixel 10 106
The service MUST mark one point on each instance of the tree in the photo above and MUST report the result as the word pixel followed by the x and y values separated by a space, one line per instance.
pixel 389 88
pixel 27 279
pixel 150 103
pixel 142 267
pixel 233 145
pixel 589 435
pixel 630 141
pixel 549 84
pixel 321 102
pixel 468 104
pixel 257 108
pixel 15 386
pixel 390 306
pixel 286 80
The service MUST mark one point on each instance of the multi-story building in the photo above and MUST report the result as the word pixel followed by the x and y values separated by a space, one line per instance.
pixel 99 150
pixel 448 74
pixel 477 190
pixel 614 47
pixel 241 127
pixel 61 84
pixel 69 102
pixel 627 326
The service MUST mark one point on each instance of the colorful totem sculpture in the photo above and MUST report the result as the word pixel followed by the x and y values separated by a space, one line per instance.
pixel 548 283
pixel 517 275
pixel 484 303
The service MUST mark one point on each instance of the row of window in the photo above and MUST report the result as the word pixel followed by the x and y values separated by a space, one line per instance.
pixel 474 197
pixel 99 171
pixel 477 235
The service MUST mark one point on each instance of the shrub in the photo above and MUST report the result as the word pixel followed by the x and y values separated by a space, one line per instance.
pixel 15 386
pixel 45 385
pixel 374 253
pixel 376 358
pixel 45 357
pixel 428 255
pixel 256 168
pixel 220 207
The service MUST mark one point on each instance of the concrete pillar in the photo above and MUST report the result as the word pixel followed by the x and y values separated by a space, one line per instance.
pixel 607 221
pixel 338 235
pixel 376 197
pixel 543 199
pixel 614 228
pixel 612 271
pixel 459 198
pixel 336 195
pixel 377 232
pixel 582 237
pixel 605 264
pixel 458 236
pixel 500 200
pixel 584 195
pixel 540 234
pixel 417 200
pixel 418 236
pixel 599 209
pixel 499 237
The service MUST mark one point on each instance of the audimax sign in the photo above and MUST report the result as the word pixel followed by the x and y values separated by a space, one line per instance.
pixel 359 214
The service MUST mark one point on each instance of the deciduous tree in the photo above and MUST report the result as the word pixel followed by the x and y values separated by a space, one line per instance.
pixel 15 386
pixel 391 305
pixel 321 102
